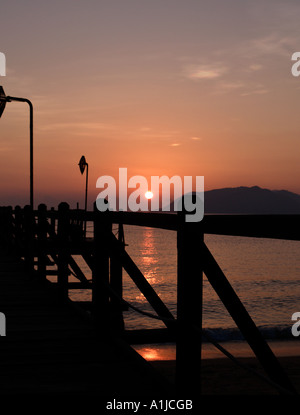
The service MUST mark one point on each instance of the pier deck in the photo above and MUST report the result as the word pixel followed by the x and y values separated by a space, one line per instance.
pixel 51 348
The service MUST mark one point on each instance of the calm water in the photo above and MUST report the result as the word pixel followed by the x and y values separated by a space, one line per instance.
pixel 265 273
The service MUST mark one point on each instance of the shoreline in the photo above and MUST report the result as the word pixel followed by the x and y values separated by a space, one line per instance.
pixel 167 351
pixel 222 376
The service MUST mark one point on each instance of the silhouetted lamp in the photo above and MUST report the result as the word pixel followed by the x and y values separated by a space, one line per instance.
pixel 82 165
pixel 3 100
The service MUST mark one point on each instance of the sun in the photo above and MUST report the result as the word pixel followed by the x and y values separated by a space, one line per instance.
pixel 148 195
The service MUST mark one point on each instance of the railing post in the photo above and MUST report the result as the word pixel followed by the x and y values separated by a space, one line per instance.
pixel 63 229
pixel 18 230
pixel 116 283
pixel 42 240
pixel 29 236
pixel 6 226
pixel 189 308
pixel 9 225
pixel 100 272
pixel 2 226
pixel 52 221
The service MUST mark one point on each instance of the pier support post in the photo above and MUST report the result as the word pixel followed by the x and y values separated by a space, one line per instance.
pixel 189 308
pixel 100 272
pixel 29 233
pixel 116 283
pixel 63 231
pixel 52 220
pixel 6 226
pixel 42 240
pixel 18 231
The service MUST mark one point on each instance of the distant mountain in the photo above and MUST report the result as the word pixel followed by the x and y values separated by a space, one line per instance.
pixel 251 200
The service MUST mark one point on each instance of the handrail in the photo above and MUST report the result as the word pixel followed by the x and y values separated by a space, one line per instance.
pixel 247 225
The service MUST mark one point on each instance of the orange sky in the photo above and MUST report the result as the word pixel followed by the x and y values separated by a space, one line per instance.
pixel 162 88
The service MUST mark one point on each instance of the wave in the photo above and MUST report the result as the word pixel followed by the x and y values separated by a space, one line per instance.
pixel 234 334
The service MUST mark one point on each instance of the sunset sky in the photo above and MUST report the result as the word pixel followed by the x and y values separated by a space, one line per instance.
pixel 162 87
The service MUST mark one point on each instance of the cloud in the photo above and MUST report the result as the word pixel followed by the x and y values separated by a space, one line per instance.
pixel 259 91
pixel 208 72
pixel 230 86
pixel 255 67
pixel 243 88
pixel 272 44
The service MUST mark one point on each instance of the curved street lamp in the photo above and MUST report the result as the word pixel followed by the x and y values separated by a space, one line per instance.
pixel 3 100
pixel 82 165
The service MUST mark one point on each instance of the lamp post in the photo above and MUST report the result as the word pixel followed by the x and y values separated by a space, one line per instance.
pixel 3 100
pixel 82 165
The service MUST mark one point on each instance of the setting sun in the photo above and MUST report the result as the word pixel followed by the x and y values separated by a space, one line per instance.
pixel 148 195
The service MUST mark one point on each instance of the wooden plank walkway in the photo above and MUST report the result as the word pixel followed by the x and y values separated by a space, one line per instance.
pixel 52 348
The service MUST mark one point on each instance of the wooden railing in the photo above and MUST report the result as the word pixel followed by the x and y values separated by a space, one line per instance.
pixel 46 237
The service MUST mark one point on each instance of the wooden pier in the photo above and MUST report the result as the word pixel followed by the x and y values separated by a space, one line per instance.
pixel 52 347
pixel 55 345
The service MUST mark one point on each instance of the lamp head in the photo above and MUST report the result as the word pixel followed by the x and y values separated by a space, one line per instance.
pixel 2 100
pixel 82 163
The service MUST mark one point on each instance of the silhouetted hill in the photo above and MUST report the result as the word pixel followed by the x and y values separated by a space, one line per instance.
pixel 251 200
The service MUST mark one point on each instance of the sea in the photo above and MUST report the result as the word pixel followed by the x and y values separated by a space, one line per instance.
pixel 265 274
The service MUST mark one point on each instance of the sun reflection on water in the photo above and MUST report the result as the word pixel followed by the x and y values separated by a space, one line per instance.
pixel 156 352
pixel 149 256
